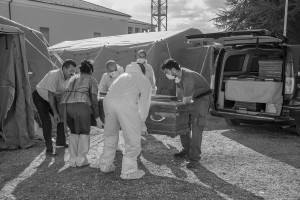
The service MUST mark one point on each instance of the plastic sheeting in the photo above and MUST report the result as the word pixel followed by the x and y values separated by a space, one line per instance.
pixel 16 116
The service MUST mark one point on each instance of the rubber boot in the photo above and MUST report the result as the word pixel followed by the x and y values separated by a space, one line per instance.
pixel 73 146
pixel 83 149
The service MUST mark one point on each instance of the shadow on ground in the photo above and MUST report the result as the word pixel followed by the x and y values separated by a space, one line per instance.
pixel 204 180
pixel 39 177
pixel 269 140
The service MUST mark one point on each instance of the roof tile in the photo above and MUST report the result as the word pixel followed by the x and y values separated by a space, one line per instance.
pixel 83 5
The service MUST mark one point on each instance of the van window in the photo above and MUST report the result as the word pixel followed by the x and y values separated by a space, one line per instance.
pixel 234 63
pixel 254 66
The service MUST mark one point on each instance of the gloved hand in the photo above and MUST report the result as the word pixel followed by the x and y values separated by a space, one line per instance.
pixel 144 129
pixel 153 91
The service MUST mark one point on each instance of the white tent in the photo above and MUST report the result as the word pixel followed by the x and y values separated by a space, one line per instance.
pixel 123 49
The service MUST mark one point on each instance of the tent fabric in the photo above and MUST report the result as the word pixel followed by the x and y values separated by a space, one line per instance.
pixel 37 64
pixel 16 115
pixel 123 49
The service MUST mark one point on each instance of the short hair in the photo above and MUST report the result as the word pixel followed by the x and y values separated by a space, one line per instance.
pixel 170 64
pixel 68 62
pixel 86 67
pixel 142 51
pixel 110 63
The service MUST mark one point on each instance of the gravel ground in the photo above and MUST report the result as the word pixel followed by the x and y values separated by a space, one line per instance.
pixel 245 162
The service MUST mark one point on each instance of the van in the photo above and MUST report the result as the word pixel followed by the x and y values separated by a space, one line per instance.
pixel 256 77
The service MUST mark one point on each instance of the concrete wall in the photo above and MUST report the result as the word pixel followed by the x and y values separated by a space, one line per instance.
pixel 64 23
pixel 4 10
pixel 140 27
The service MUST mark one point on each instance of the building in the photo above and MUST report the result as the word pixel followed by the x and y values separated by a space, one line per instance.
pixel 62 20
pixel 135 26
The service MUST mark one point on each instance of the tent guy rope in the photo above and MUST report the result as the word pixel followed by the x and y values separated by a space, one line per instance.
pixel 42 53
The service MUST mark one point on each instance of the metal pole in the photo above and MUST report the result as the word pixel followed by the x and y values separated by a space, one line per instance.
pixel 285 17
pixel 159 15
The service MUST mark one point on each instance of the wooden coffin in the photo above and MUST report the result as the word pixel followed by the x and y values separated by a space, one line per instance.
pixel 167 116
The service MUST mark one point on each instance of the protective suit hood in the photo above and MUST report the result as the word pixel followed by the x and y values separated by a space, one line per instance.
pixel 134 68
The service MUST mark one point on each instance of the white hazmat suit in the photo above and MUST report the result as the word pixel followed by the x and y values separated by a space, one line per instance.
pixel 126 105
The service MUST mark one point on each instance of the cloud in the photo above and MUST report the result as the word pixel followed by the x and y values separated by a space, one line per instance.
pixel 182 14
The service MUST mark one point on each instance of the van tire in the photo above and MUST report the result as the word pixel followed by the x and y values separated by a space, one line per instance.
pixel 232 122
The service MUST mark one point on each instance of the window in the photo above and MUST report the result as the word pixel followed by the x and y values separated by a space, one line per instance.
pixel 137 30
pixel 96 34
pixel 130 29
pixel 45 32
pixel 234 63
pixel 254 66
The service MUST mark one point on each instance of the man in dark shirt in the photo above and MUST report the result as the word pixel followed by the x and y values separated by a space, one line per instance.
pixel 192 88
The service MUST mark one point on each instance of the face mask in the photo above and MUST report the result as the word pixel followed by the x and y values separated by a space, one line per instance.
pixel 170 77
pixel 141 60
pixel 114 74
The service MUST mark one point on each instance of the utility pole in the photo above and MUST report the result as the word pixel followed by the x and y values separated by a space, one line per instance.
pixel 285 17
pixel 159 16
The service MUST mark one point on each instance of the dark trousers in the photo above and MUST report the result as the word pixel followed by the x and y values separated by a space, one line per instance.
pixel 44 110
pixel 192 141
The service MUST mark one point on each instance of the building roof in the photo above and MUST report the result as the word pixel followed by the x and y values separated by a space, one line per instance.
pixel 80 4
pixel 138 22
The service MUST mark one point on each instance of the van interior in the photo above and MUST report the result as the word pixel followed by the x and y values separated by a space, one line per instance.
pixel 250 81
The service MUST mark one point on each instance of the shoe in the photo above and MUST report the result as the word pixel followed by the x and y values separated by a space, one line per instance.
pixel 62 145
pixel 181 154
pixel 50 153
pixel 192 164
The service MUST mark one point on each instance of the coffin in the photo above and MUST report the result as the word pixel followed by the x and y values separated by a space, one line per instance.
pixel 168 116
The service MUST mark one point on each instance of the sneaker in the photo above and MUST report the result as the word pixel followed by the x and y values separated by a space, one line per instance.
pixel 62 145
pixel 50 152
pixel 192 164
pixel 181 154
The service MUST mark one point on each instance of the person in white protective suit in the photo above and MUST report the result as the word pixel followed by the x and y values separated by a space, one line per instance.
pixel 149 73
pixel 126 105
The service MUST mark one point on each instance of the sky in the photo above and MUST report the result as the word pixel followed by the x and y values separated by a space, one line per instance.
pixel 182 14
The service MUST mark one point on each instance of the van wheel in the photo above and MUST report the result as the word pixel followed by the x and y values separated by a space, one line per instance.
pixel 298 129
pixel 232 122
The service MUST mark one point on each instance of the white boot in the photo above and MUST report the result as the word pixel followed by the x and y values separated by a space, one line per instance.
pixel 83 149
pixel 121 143
pixel 133 175
pixel 73 146
pixel 107 168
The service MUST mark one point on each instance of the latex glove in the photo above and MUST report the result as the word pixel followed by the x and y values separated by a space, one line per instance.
pixel 153 91
pixel 99 122
pixel 144 129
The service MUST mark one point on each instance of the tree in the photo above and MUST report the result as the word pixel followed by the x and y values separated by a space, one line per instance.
pixel 260 14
